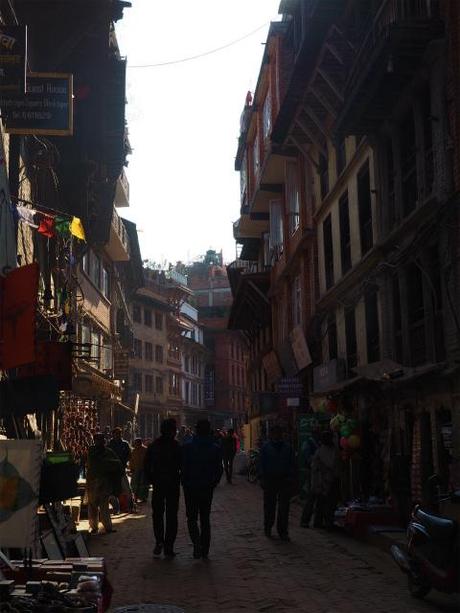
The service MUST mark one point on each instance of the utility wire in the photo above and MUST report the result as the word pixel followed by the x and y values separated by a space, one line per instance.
pixel 205 53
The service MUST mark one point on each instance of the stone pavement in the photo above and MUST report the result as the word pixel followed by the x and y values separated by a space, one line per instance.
pixel 317 572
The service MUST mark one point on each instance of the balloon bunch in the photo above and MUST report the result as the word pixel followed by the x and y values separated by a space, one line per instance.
pixel 347 428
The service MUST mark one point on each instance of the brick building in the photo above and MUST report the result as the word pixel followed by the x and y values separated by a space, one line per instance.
pixel 225 378
pixel 349 227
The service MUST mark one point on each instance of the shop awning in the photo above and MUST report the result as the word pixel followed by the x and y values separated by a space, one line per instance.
pixel 387 370
pixel 338 387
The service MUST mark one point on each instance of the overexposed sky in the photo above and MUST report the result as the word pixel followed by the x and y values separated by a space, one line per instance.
pixel 184 119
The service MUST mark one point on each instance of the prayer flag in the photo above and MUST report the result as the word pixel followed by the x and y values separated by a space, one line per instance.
pixel 76 228
pixel 46 226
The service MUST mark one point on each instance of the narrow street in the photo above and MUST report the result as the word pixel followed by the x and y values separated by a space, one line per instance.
pixel 316 572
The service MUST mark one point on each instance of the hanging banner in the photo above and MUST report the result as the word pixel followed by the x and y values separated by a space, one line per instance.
pixel 46 108
pixel 13 60
pixel 19 292
pixel 8 248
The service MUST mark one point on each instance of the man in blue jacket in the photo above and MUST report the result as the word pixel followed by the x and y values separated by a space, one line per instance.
pixel 277 471
pixel 201 472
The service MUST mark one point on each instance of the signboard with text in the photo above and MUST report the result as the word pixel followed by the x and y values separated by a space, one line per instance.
pixel 46 108
pixel 13 59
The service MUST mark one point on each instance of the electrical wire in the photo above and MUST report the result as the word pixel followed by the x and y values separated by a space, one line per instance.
pixel 204 54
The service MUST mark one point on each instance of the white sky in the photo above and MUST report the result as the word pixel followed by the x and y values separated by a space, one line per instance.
pixel 184 119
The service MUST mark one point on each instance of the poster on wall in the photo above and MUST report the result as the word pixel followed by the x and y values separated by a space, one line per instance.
pixel 20 466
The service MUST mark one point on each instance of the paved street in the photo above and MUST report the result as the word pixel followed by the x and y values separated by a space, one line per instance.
pixel 316 572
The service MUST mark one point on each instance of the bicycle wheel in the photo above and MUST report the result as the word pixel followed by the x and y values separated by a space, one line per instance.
pixel 252 474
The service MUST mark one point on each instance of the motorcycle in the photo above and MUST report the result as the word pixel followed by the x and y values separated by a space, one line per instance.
pixel 431 557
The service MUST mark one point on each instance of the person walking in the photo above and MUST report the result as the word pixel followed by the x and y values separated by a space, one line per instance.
pixel 163 469
pixel 139 484
pixel 201 472
pixel 228 453
pixel 277 471
pixel 123 451
pixel 325 470
pixel 103 479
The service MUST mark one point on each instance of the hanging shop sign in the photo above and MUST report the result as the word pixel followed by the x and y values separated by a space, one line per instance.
pixel 272 366
pixel 121 364
pixel 46 108
pixel 13 60
pixel 290 386
pixel 300 348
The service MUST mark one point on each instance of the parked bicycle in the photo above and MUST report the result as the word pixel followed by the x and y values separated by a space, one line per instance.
pixel 253 465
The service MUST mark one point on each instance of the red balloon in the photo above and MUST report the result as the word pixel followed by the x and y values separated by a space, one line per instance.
pixel 344 442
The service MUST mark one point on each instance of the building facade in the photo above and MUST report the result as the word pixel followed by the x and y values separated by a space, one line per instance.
pixel 348 225
pixel 225 375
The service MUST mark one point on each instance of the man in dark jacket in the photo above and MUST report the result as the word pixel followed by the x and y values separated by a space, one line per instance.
pixel 277 469
pixel 122 450
pixel 162 470
pixel 201 472
pixel 103 479
pixel 228 453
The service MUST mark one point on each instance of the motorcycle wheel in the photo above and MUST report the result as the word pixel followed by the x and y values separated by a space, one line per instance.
pixel 417 589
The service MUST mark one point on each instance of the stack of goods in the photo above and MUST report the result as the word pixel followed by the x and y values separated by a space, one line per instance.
pixel 71 586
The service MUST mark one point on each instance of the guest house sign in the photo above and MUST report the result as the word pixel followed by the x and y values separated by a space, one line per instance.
pixel 46 108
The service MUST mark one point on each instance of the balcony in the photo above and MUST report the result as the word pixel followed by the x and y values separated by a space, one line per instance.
pixel 392 49
pixel 118 246
pixel 122 191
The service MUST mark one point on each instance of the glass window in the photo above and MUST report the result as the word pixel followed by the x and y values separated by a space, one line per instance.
pixel 372 327
pixel 350 338
pixel 95 348
pixel 365 209
pixel 341 157
pixel 105 286
pixel 137 381
pixel 106 356
pixel 148 318
pixel 267 116
pixel 138 348
pixel 159 354
pixel 159 385
pixel 323 171
pixel 293 195
pixel 159 321
pixel 243 178
pixel 136 313
pixel 345 239
pixel 276 229
pixel 332 335
pixel 256 156
pixel 187 363
pixel 95 270
pixel 149 352
pixel 328 252
pixel 85 264
pixel 149 384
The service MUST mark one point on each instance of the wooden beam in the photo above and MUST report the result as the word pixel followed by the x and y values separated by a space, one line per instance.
pixel 328 80
pixel 312 138
pixel 333 51
pixel 316 120
pixel 322 100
